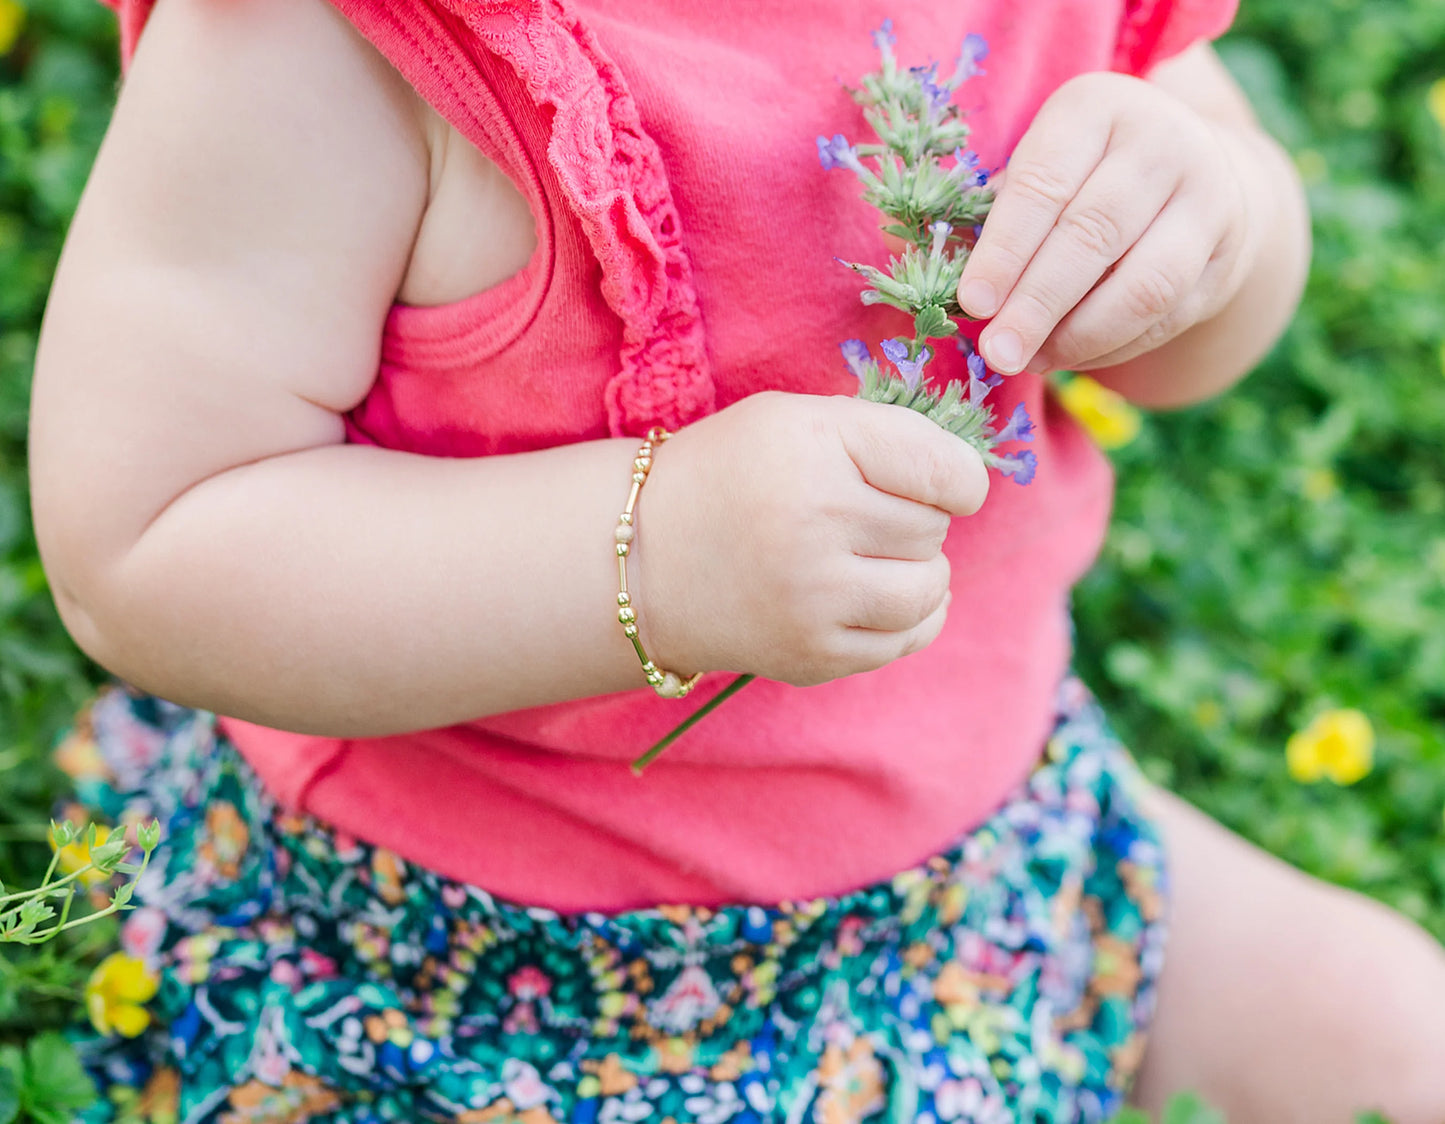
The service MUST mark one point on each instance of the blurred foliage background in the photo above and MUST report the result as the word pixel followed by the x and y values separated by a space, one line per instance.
pixel 1276 555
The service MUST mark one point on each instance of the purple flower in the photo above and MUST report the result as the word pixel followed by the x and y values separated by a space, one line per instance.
pixel 966 169
pixel 1021 466
pixel 884 38
pixel 855 354
pixel 938 96
pixel 973 52
pixel 910 369
pixel 1020 426
pixel 978 369
pixel 838 153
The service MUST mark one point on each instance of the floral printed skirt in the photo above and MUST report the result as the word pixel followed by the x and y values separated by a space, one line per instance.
pixel 308 976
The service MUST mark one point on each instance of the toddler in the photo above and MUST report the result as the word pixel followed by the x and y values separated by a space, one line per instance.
pixel 363 316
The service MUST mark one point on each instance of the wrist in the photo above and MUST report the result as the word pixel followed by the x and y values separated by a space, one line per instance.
pixel 652 575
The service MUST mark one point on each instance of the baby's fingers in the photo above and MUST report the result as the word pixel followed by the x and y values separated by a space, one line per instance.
pixel 1157 290
pixel 1045 173
pixel 1093 232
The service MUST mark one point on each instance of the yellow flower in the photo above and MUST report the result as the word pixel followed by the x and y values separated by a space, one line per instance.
pixel 1320 484
pixel 115 992
pixel 75 856
pixel 1435 99
pixel 12 19
pixel 1339 744
pixel 1108 416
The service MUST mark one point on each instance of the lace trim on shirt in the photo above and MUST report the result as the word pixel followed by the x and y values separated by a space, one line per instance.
pixel 614 178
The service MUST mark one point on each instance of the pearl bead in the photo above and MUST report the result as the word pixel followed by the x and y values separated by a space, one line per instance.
pixel 624 533
pixel 670 687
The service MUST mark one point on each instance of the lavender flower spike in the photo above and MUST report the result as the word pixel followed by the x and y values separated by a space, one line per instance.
pixel 910 369
pixel 883 38
pixel 1020 426
pixel 973 52
pixel 855 354
pixel 838 153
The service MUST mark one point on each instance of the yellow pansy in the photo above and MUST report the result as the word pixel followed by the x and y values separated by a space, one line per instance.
pixel 115 993
pixel 1435 99
pixel 1108 416
pixel 12 19
pixel 76 856
pixel 1339 744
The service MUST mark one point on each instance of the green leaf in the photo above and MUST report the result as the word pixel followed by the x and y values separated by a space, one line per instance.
pixel 54 1078
pixel 931 322
pixel 1188 1108
pixel 1132 1116
pixel 9 1087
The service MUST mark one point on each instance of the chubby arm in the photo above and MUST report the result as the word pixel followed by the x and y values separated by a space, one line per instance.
pixel 210 537
pixel 1147 231
pixel 217 308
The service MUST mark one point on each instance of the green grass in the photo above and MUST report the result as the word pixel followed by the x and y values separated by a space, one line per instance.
pixel 1273 553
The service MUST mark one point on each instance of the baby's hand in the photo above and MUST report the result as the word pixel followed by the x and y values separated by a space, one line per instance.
pixel 800 537
pixel 1120 222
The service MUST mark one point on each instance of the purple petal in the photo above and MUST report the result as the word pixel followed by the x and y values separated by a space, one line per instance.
pixel 884 37
pixel 938 96
pixel 910 369
pixel 1020 426
pixel 966 170
pixel 978 369
pixel 855 354
pixel 973 52
pixel 838 153
pixel 896 351
pixel 1021 466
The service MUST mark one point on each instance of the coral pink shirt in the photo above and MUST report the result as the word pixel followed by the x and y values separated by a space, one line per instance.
pixel 685 259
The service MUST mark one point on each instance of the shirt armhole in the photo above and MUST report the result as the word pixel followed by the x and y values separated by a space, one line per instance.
pixel 1151 31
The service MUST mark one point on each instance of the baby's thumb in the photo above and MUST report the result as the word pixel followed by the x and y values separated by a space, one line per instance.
pixel 901 452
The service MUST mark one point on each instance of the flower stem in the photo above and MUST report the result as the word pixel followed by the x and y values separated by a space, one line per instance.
pixel 702 712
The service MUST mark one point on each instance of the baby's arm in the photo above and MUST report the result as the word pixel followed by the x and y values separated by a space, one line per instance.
pixel 210 538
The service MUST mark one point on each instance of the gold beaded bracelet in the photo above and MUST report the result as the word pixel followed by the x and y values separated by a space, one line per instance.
pixel 665 683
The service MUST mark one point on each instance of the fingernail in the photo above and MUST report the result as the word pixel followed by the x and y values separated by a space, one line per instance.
pixel 1005 351
pixel 978 298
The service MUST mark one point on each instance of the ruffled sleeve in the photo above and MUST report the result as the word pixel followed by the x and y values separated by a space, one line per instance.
pixel 1151 31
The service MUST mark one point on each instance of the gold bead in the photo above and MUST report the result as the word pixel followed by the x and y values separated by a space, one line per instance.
pixel 650 668
pixel 639 478
pixel 626 615
pixel 622 549
pixel 624 599
pixel 629 631
pixel 625 517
